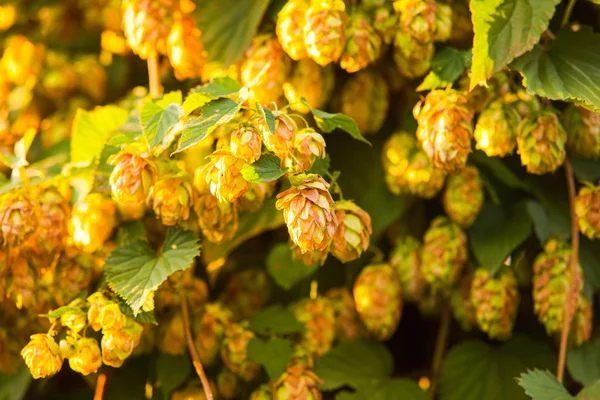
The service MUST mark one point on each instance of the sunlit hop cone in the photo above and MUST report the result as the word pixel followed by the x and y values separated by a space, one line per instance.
pixel 325 30
pixel 246 292
pixel 378 297
pixel 583 131
pixel 96 303
pixel 347 323
pixel 75 320
pixel 117 345
pixel 405 258
pixel 185 48
pixel 463 197
pixel 412 57
pixel 445 128
pixel 234 352
pixel 172 197
pixel 18 218
pixel 364 97
pixel 444 253
pixel 209 327
pixel 92 221
pixel 496 129
pixel 87 357
pixel 308 213
pixel 311 81
pixel 418 18
pixel 132 178
pixel 496 301
pixel 310 258
pixel 308 146
pixel 587 207
pixel 281 142
pixel 147 24
pixel 265 69
pixel 111 317
pixel 42 356
pixel 228 385
pixel 263 392
pixel 298 382
pixel 217 220
pixel 318 318
pixel 581 328
pixel 363 44
pixel 290 23
pixel 54 216
pixel 462 305
pixel 541 142
pixel 255 197
pixel 21 61
pixel 246 143
pixel 353 234
pixel 224 176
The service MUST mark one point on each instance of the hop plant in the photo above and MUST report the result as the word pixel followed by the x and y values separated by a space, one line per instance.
pixel 217 220
pixel 325 30
pixel 224 176
pixel 583 131
pixel 298 382
pixel 246 144
pixel 308 213
pixel 378 297
pixel 209 330
pixel 228 384
pixel 582 322
pixel 118 344
pixel 147 24
pixel 496 129
pixel 353 233
pixel 263 392
pixel 587 208
pixel 364 97
pixel 311 81
pixel 255 197
pixel 318 317
pixel 347 324
pixel 445 128
pixel 42 356
pixel 87 357
pixel 461 304
pixel 18 218
pixel 172 197
pixel 363 44
pixel 92 222
pixel 234 352
pixel 311 258
pixel 463 197
pixel 308 146
pixel 541 142
pixel 54 217
pixel 281 142
pixel 185 48
pixel 444 253
pixel 246 292
pixel 496 301
pixel 290 23
pixel 405 258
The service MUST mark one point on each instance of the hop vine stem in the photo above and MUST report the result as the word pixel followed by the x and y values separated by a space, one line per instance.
pixel 153 77
pixel 568 11
pixel 100 384
pixel 440 348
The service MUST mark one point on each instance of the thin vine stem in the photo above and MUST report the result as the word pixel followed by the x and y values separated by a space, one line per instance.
pixel 153 77
pixel 100 385
pixel 567 14
pixel 440 348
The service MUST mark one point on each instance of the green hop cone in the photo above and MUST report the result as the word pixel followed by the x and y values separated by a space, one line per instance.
pixel 234 351
pixel 209 326
pixel 364 97
pixel 363 44
pixel 246 292
pixel 587 208
pixel 325 30
pixel 405 258
pixel 581 327
pixel 412 57
pixel 217 220
pixel 496 300
pixel 444 253
pixel 418 18
pixel 541 142
pixel 496 129
pixel 385 19
pixel 583 131
pixel 353 233
pixel 228 385
pixel 263 392
pixel 443 22
pixel 463 197
pixel 318 317
pixel 378 297
pixel 461 304
pixel 347 324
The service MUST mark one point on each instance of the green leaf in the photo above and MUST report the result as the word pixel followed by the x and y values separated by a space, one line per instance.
pixel 591 392
pixel 171 371
pixel 134 270
pixel 328 122
pixel 273 354
pixel 285 270
pixel 157 119
pixel 269 118
pixel 218 87
pixel 14 386
pixel 555 220
pixel 447 65
pixel 146 317
pixel 498 169
pixel 569 70
pixel 543 225
pixel 584 362
pixel 265 169
pixel 228 27
pixel 321 166
pixel 475 370
pixel 388 389
pixel 542 385
pixel 91 129
pixel 505 29
pixel 589 259
pixel 274 320
pixel 59 312
pixel 586 169
pixel 354 364
pixel 497 233
pixel 130 232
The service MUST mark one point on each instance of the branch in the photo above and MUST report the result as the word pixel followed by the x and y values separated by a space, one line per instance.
pixel 440 348
pixel 100 384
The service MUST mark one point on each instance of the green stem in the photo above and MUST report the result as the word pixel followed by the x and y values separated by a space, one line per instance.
pixel 440 348
pixel 567 14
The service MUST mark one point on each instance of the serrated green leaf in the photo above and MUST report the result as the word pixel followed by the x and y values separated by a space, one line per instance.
pixel 265 169
pixel 504 30
pixel 475 370
pixel 329 122
pixel 130 232
pixel 157 120
pixel 591 392
pixel 269 118
pixel 218 87
pixel 171 371
pixel 14 386
pixel 584 362
pixel 285 270
pixel 274 320
pixel 446 66
pixel 586 169
pixel 134 270
pixel 354 364
pixel 387 389
pixel 273 354
pixel 542 385
pixel 91 129
pixel 146 317
pixel 569 70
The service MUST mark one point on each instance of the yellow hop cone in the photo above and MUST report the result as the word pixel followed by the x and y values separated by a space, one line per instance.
pixel 325 30
pixel 117 345
pixel 185 48
pixel 308 213
pixel 96 302
pixel 311 81
pixel 224 176
pixel 281 142
pixel 42 356
pixel 413 58
pixel 92 222
pixel 54 216
pixel 353 234
pixel 363 45
pixel 111 317
pixel 147 24
pixel 587 207
pixel 217 220
pixel 541 142
pixel 254 198
pixel 21 61
pixel 290 22
pixel 87 358
pixel 18 218
pixel 75 320
pixel 298 382
pixel 209 328
pixel 246 143
pixel 172 198
pixel 234 352
pixel 496 129
pixel 364 97
pixel 265 69
pixel 318 318
pixel 308 146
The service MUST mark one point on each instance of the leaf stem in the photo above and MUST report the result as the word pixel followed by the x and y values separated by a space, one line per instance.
pixel 571 303
pixel 567 14
pixel 440 348
pixel 153 77
pixel 192 348
pixel 100 384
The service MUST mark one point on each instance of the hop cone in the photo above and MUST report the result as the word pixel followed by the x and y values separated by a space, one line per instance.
pixel 311 81
pixel 265 69
pixel 325 30
pixel 385 19
pixel 87 357
pixel 583 131
pixel 464 196
pixel 444 253
pixel 282 141
pixel 172 198
pixel 18 218
pixel 224 176
pixel 117 345
pixel 308 146
pixel 541 142
pixel 298 382
pixel 42 356
pixel 462 305
pixel 363 44
pixel 444 22
pixel 171 336
pixel 255 197
pixel 445 128
pixel 496 300
pixel 413 58
pixel 581 328
pixel 218 221
pixel 54 216
pixel 523 102
pixel 418 18
pixel 246 292
pixel 185 49
pixel 405 258
pixel 347 323
pixel 353 233
pixel 378 297
pixel 245 143
pixel 234 352
pixel 193 392
pixel 92 221
pixel 308 213
pixel 310 258
pixel 228 385
pixel 290 22
pixel 318 317
pixel 209 329
pixel 496 129
pixel 587 207
pixel 263 392
pixel 21 61
pixel 364 97
pixel 147 24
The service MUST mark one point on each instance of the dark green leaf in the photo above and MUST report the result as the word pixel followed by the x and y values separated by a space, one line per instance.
pixel 270 118
pixel 285 270
pixel 447 65
pixel 505 29
pixel 59 312
pixel 14 386
pixel 321 166
pixel 274 320
pixel 171 371
pixel 328 122
pixel 130 232
pixel 555 220
pixel 586 169
pixel 387 389
pixel 542 385
pixel 146 317
pixel 157 119
pixel 589 259
pixel 273 354
pixel 497 168
pixel 265 169
pixel 584 362
pixel 591 392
